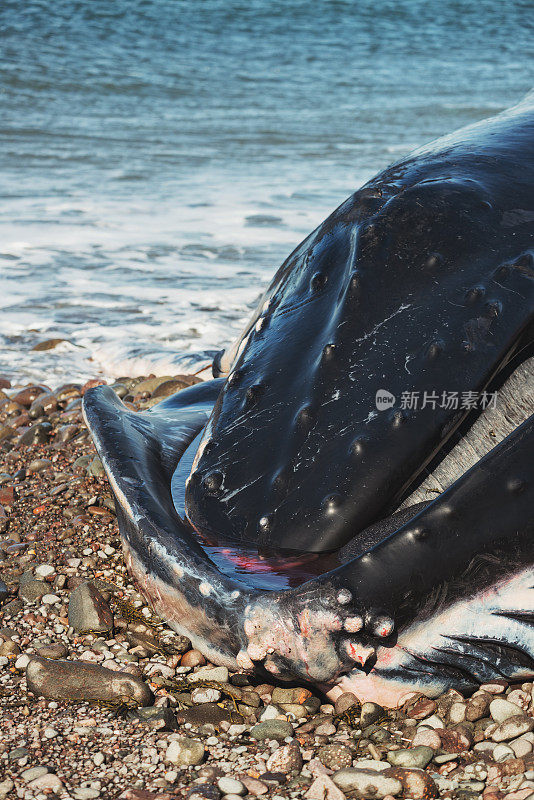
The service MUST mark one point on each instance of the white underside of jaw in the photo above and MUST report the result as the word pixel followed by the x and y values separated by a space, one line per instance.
pixel 478 617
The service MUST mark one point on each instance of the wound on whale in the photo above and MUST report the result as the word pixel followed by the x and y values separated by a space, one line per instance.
pixel 280 517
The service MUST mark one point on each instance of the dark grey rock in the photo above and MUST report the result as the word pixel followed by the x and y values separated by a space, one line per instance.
pixel 78 680
pixel 88 611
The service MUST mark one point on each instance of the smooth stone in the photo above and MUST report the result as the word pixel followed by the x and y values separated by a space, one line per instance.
pixel 96 468
pixel 295 696
pixel 47 344
pixel 286 759
pixel 150 384
pixel 155 717
pixel 335 756
pixel 324 788
pixel 231 786
pixel 416 783
pixel 9 648
pixel 512 728
pixel 44 571
pixel 217 674
pixel 428 737
pixel 48 781
pixel 478 707
pixel 502 752
pixel 50 599
pixel 421 708
pixel 457 713
pixel 38 434
pixel 501 709
pixel 366 783
pixel 269 712
pixel 418 757
pixel 39 465
pixel 521 747
pixel 18 752
pixel 272 729
pixel 82 462
pixel 78 680
pixel 205 695
pixel 206 714
pixel 366 763
pixel 370 713
pixel 85 793
pixel 193 658
pixel 185 752
pixel 6 787
pixel 345 701
pixel 32 773
pixel 26 396
pixel 497 686
pixel 433 722
pixel 174 385
pixel 88 611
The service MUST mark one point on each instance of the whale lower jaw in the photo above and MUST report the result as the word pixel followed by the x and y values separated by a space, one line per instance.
pixel 176 608
pixel 486 636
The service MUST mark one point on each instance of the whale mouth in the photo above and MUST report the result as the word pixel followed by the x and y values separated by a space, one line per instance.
pixel 278 568
pixel 317 616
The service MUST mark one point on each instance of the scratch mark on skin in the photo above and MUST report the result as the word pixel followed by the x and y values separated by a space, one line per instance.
pixel 507 289
pixel 403 307
pixel 336 395
pixel 229 496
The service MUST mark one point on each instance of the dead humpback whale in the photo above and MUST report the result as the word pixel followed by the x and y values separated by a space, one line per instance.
pixel 356 389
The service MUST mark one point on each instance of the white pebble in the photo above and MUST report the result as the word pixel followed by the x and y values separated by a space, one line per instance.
pixel 171 776
pixel 502 753
pixel 22 661
pixel 231 786
pixel 50 599
pixel 5 787
pixel 32 773
pixel 44 570
pixel 270 712
pixel 98 759
pixel 433 722
pixel 4 661
pixel 85 793
pixel 49 733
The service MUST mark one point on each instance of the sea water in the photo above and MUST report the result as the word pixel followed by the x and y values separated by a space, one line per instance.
pixel 160 158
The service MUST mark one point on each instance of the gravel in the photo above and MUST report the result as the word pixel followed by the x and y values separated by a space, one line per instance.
pixel 78 650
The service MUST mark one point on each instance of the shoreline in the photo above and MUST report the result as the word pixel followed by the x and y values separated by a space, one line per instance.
pixel 62 573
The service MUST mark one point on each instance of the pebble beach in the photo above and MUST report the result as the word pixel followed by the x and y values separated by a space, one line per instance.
pixel 100 699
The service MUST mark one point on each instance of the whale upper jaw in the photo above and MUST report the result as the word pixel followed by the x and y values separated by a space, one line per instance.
pixel 421 284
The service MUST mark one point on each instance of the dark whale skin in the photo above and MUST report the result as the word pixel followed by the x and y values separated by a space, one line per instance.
pixel 353 626
pixel 439 596
pixel 423 280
